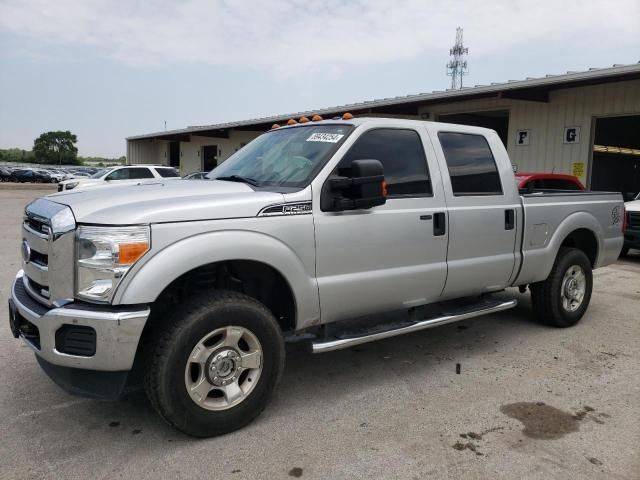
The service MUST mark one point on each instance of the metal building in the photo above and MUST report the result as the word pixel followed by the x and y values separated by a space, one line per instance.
pixel 582 123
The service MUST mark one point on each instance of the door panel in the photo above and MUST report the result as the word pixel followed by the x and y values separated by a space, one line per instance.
pixel 383 259
pixel 387 257
pixel 482 213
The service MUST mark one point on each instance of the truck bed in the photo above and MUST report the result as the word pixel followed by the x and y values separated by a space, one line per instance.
pixel 550 217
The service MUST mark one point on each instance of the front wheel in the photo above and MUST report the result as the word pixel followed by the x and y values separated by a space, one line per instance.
pixel 215 364
pixel 562 299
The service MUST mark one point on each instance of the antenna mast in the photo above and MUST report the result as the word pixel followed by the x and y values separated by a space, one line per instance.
pixel 457 68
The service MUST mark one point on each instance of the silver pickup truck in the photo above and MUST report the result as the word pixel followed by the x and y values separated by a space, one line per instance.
pixel 339 232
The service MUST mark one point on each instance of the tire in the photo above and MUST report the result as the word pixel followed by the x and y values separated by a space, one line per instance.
pixel 171 370
pixel 549 305
pixel 624 252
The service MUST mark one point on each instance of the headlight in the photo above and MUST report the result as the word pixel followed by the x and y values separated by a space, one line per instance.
pixel 104 255
pixel 70 185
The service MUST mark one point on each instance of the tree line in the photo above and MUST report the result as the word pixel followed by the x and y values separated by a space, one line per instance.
pixel 52 148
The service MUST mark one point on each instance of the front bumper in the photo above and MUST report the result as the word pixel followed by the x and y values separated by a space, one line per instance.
pixel 632 239
pixel 114 339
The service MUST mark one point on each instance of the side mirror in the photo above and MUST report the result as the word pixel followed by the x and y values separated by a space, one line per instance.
pixel 365 188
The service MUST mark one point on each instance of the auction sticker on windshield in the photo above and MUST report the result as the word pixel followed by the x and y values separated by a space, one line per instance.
pixel 325 137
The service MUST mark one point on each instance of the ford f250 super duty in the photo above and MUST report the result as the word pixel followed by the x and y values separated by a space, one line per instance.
pixel 347 230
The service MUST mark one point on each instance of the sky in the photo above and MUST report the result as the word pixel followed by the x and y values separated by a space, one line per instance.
pixel 108 69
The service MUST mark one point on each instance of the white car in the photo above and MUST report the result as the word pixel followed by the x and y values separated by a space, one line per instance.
pixel 57 175
pixel 129 174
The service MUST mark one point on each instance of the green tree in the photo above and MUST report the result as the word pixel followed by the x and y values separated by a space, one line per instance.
pixel 56 148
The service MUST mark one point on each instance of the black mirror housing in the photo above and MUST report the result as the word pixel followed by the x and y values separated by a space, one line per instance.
pixel 365 188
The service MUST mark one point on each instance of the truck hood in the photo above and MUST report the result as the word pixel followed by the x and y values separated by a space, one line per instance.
pixel 84 181
pixel 165 201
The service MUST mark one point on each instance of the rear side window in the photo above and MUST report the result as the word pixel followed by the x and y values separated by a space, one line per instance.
pixel 135 173
pixel 167 172
pixel 402 156
pixel 471 165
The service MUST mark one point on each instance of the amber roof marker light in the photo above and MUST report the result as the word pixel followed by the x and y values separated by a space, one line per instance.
pixel 347 116
pixel 274 126
pixel 304 120
pixel 291 122
pixel 316 118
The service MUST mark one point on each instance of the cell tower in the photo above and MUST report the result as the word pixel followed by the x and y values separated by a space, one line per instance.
pixel 457 68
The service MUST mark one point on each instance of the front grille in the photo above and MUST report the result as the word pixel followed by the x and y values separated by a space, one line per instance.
pixel 76 340
pixel 37 225
pixel 39 258
pixel 634 220
pixel 48 251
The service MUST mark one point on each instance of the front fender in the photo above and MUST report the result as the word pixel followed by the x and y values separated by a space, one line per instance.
pixel 145 284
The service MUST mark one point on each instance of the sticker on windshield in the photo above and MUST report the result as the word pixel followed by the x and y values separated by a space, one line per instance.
pixel 325 137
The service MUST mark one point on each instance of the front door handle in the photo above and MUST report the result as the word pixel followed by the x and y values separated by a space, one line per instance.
pixel 439 224
pixel 509 219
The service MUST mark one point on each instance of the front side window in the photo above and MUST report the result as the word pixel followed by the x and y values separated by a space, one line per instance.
pixel 471 165
pixel 287 157
pixel 402 156
pixel 120 174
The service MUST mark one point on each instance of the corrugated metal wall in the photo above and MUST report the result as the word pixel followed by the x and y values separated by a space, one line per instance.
pixel 147 151
pixel 546 122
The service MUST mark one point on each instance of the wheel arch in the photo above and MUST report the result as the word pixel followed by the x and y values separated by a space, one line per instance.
pixel 579 230
pixel 585 240
pixel 246 251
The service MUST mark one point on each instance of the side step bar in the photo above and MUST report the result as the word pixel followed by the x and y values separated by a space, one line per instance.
pixel 340 343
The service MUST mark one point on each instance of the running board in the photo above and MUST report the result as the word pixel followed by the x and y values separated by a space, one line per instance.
pixel 340 343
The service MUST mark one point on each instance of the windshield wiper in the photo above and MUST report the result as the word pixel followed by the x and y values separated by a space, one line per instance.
pixel 238 178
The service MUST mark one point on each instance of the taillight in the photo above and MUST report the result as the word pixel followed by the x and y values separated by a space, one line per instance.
pixel 625 220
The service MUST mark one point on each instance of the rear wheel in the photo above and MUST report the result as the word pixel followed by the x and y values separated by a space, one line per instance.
pixel 562 299
pixel 215 364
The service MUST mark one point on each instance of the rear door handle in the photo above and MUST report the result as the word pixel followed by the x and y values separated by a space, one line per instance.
pixel 509 219
pixel 439 224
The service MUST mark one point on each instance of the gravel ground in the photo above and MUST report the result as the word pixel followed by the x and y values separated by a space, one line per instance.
pixel 529 402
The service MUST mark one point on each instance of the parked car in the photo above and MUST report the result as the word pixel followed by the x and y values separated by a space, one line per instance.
pixel 5 174
pixel 196 176
pixel 31 176
pixel 47 176
pixel 547 181
pixel 130 174
pixel 349 231
pixel 632 226
pixel 56 175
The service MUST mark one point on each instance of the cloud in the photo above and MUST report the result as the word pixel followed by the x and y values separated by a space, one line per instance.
pixel 286 37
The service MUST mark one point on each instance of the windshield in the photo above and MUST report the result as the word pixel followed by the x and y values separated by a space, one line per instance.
pixel 290 157
pixel 101 173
